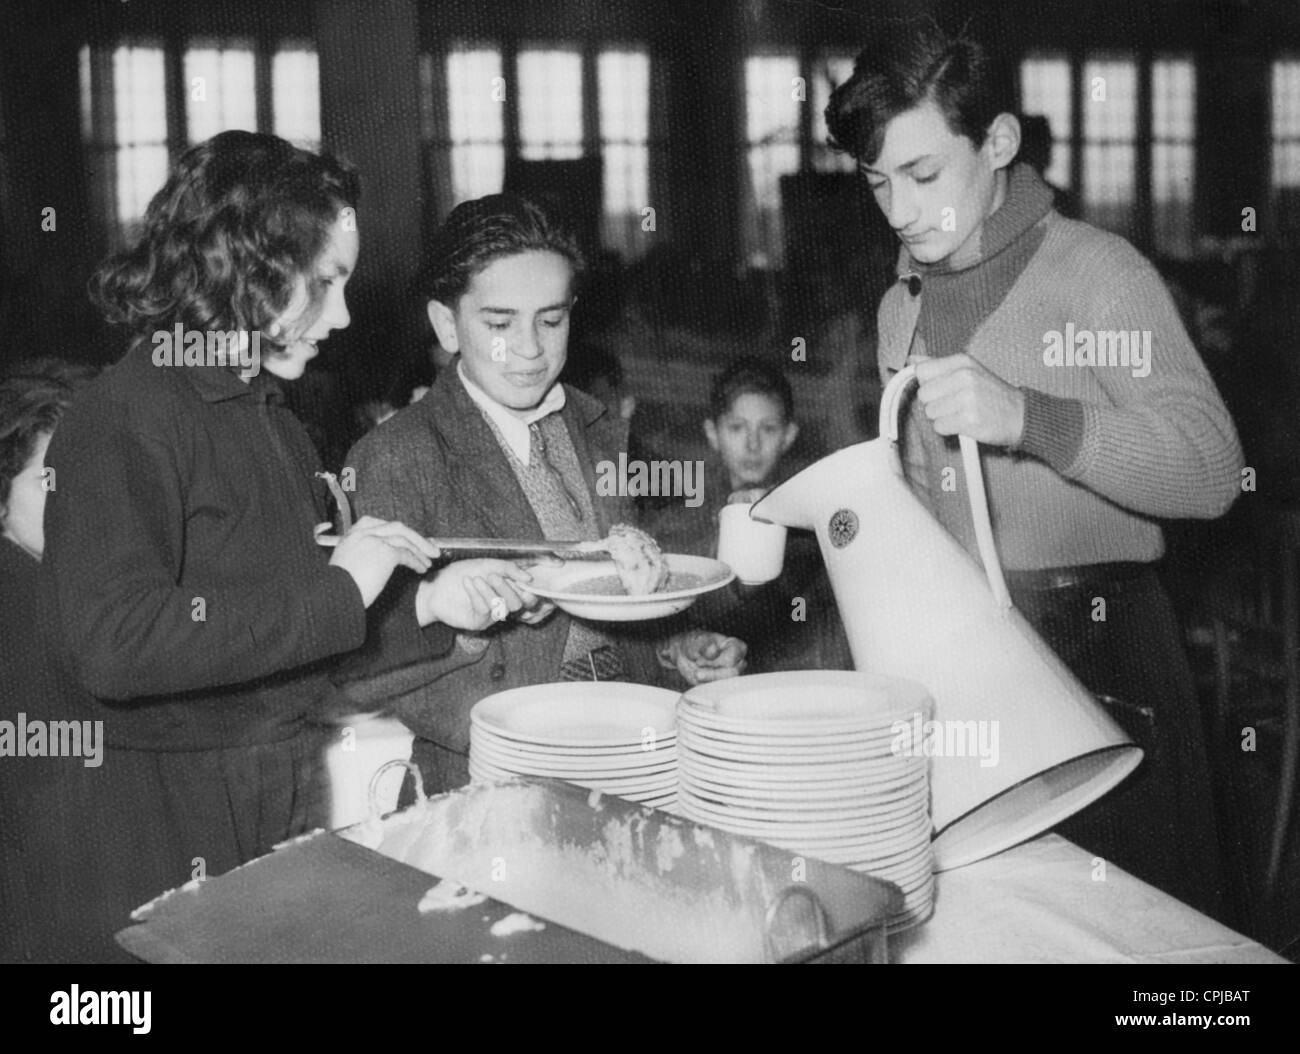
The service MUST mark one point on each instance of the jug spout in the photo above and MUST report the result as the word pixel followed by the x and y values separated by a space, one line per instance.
pixel 802 499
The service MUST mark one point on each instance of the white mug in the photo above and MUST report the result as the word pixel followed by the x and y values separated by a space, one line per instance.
pixel 753 549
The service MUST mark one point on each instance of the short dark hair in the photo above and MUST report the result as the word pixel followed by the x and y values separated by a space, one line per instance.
pixel 478 232
pixel 903 68
pixel 750 376
pixel 241 218
pixel 33 397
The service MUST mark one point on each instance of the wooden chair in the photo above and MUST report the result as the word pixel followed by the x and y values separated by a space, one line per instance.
pixel 1255 617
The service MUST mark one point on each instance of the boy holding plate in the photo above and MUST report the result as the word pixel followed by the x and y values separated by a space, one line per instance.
pixel 500 448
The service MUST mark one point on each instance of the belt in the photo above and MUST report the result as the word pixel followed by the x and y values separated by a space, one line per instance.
pixel 1083 576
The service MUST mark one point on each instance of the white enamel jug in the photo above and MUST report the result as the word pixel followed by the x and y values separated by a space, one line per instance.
pixel 1018 743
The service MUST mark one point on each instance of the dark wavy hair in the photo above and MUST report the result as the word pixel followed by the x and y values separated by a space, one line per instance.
pixel 242 217
pixel 904 67
pixel 750 375
pixel 33 397
pixel 483 230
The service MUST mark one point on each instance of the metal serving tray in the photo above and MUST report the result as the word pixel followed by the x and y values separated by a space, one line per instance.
pixel 599 879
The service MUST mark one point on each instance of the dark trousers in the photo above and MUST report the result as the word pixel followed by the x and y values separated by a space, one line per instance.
pixel 1159 823
pixel 81 848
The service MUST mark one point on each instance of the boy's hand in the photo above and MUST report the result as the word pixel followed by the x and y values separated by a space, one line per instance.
pixel 474 594
pixel 962 397
pixel 700 656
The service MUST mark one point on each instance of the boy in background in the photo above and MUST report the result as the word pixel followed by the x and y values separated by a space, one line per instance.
pixel 791 623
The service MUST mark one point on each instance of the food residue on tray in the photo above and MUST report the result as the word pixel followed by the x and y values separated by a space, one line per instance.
pixel 315 832
pixel 669 849
pixel 447 895
pixel 516 922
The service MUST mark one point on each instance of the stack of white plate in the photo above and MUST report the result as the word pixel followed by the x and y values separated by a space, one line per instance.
pixel 608 735
pixel 818 762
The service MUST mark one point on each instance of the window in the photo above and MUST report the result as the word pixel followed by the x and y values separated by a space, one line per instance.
pixel 1109 106
pixel 124 121
pixel 1112 105
pixel 1045 92
pixel 1286 142
pixel 475 94
pixel 786 94
pixel 773 95
pixel 563 102
pixel 220 89
pixel 132 111
pixel 623 83
pixel 295 95
pixel 830 71
pixel 5 210
pixel 140 124
pixel 550 104
pixel 1173 131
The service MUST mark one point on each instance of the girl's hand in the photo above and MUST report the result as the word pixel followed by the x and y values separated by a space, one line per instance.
pixel 373 549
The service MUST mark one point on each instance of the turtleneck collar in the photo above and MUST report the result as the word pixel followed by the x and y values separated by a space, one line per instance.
pixel 959 293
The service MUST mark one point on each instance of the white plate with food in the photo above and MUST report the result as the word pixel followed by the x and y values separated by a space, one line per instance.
pixel 592 589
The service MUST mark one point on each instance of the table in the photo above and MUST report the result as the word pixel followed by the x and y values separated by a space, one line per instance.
pixel 1039 903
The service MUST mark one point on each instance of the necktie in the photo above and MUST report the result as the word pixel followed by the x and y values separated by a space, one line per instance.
pixel 537 453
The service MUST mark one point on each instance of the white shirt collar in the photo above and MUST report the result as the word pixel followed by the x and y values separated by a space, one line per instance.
pixel 513 427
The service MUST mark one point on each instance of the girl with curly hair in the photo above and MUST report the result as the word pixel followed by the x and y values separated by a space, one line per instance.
pixel 184 592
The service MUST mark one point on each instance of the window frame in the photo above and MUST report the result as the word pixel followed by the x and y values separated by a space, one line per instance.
pixel 99 141
pixel 762 232
pixel 438 145
pixel 5 205
pixel 1160 139
pixel 1277 190
pixel 762 239
pixel 1141 227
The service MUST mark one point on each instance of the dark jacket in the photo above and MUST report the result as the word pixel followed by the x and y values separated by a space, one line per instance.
pixel 437 467
pixel 181 587
pixel 189 595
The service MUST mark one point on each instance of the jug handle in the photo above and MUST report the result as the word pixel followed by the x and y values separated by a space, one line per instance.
pixel 890 402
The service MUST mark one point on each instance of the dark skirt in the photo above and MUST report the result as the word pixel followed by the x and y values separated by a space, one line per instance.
pixel 1159 823
pixel 80 848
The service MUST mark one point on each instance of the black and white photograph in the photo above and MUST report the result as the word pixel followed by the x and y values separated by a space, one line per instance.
pixel 614 481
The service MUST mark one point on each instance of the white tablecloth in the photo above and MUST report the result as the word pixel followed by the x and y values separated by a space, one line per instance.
pixel 1039 903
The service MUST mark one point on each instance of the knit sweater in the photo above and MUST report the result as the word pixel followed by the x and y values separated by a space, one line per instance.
pixel 1111 443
